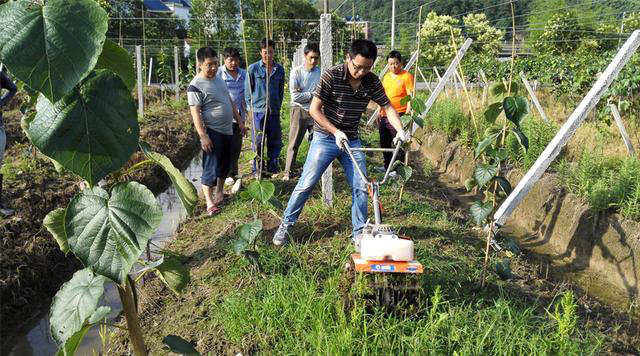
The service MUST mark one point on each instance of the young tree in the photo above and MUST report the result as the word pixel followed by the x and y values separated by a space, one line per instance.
pixel 435 35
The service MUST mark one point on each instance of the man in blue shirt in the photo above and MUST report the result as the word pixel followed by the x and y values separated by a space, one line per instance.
pixel 266 104
pixel 234 77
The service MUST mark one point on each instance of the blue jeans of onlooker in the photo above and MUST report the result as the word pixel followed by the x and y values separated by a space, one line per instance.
pixel 273 130
pixel 322 152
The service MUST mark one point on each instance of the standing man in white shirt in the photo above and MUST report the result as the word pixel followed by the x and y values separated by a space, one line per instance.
pixel 302 82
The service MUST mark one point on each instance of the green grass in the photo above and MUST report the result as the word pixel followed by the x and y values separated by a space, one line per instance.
pixel 539 133
pixel 306 304
pixel 447 116
pixel 606 183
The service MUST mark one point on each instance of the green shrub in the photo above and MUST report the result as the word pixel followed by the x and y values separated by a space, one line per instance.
pixel 604 182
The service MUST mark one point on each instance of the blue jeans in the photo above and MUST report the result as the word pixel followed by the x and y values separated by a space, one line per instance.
pixel 322 152
pixel 273 130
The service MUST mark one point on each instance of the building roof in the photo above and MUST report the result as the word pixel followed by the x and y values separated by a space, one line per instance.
pixel 156 6
pixel 184 3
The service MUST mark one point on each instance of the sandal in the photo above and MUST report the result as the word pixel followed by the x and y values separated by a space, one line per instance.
pixel 213 210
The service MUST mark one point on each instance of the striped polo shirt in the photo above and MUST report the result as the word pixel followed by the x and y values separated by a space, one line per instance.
pixel 343 106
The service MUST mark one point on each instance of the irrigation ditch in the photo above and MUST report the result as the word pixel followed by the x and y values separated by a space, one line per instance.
pixel 601 252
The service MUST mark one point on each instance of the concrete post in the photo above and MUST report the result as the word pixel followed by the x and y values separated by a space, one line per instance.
pixel 140 81
pixel 150 71
pixel 567 130
pixel 426 82
pixel 326 60
pixel 623 131
pixel 393 24
pixel 176 71
pixel 533 97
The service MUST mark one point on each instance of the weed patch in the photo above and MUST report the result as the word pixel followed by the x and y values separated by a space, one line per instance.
pixel 606 183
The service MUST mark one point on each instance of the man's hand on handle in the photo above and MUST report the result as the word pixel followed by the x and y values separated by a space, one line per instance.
pixel 341 139
pixel 402 137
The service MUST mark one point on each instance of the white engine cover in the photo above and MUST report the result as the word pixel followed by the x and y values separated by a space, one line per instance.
pixel 380 243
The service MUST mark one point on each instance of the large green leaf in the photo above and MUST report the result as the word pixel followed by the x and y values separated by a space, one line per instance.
pixel 52 47
pixel 92 131
pixel 173 274
pixel 71 345
pixel 484 173
pixel 504 184
pixel 522 138
pixel 503 88
pixel 247 234
pixel 492 112
pixel 54 222
pixel 419 121
pixel 515 108
pixel 485 143
pixel 186 191
pixel 480 211
pixel 405 172
pixel 74 303
pixel 261 191
pixel 417 105
pixel 108 234
pixel 117 60
pixel 180 346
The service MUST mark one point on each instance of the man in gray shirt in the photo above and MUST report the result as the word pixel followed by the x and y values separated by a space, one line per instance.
pixel 213 112
pixel 302 81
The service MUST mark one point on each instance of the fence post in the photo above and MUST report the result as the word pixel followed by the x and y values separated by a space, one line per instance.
pixel 533 97
pixel 140 81
pixel 326 53
pixel 176 71
pixel 623 131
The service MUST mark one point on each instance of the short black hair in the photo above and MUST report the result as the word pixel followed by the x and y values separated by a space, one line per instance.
pixel 364 48
pixel 395 54
pixel 311 47
pixel 231 52
pixel 206 52
pixel 267 42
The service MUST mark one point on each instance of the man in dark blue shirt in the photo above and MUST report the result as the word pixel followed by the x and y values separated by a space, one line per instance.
pixel 5 83
pixel 256 97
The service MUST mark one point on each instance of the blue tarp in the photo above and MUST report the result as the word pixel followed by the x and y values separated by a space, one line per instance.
pixel 156 5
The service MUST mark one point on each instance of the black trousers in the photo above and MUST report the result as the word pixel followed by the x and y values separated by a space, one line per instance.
pixel 387 134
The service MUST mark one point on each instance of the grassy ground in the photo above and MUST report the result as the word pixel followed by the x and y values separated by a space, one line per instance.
pixel 305 303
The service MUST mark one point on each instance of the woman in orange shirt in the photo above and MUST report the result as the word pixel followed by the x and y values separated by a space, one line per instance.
pixel 397 84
